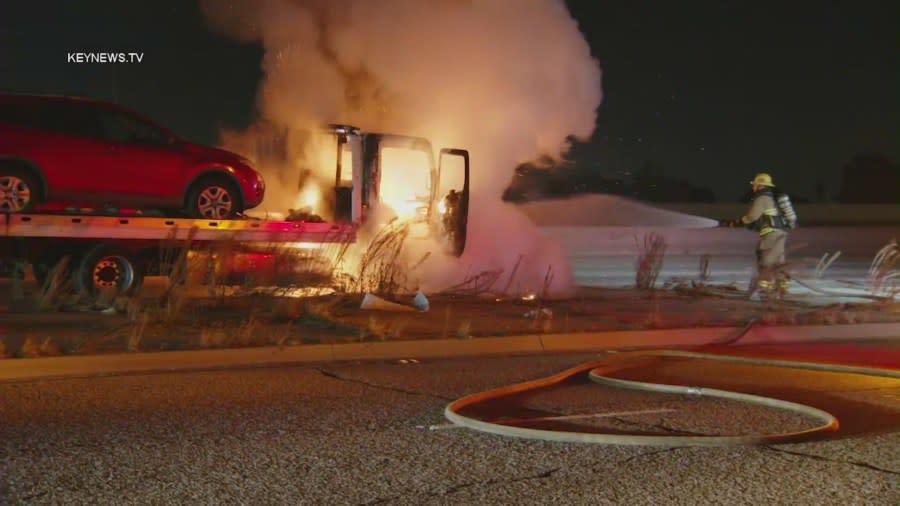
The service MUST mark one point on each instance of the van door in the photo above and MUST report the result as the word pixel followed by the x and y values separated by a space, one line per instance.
pixel 450 199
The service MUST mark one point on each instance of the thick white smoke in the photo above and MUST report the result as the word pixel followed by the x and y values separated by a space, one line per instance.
pixel 507 80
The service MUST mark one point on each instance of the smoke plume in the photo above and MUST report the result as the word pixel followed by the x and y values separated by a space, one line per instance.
pixel 507 80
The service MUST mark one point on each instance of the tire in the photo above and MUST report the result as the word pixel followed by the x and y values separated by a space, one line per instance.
pixel 104 267
pixel 214 198
pixel 19 190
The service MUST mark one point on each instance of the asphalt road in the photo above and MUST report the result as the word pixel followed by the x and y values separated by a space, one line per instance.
pixel 360 434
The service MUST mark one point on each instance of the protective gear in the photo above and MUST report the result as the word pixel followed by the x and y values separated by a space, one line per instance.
pixel 762 179
pixel 730 223
pixel 765 215
pixel 772 215
pixel 770 261
pixel 786 211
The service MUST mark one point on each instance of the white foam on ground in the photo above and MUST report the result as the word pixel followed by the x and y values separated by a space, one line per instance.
pixel 607 211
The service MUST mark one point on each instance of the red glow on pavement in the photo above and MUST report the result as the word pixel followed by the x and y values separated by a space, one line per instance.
pixel 880 354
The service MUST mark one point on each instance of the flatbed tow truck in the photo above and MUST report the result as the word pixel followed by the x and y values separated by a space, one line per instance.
pixel 115 252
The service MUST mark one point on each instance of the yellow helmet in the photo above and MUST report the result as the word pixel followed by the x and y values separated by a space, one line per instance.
pixel 763 179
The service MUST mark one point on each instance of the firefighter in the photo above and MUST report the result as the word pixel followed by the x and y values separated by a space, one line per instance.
pixel 766 218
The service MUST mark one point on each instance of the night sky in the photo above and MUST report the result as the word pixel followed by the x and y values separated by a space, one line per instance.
pixel 711 91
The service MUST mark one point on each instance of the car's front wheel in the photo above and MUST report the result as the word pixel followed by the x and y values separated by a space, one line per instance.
pixel 214 199
pixel 19 191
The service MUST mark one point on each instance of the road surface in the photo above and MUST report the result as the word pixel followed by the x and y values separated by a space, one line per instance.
pixel 359 433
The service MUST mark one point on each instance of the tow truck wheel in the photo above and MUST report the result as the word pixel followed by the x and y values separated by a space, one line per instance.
pixel 19 191
pixel 214 198
pixel 103 269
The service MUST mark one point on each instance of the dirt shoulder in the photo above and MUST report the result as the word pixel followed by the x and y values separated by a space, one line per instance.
pixel 147 323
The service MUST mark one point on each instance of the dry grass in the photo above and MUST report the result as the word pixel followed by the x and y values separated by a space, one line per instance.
pixel 446 321
pixel 655 317
pixel 382 269
pixel 651 252
pixel 213 336
pixel 17 289
pixel 824 263
pixel 49 348
pixel 883 279
pixel 385 329
pixel 548 281
pixel 288 309
pixel 248 333
pixel 57 290
pixel 512 274
pixel 136 332
pixel 464 330
pixel 30 348
pixel 477 284
pixel 703 274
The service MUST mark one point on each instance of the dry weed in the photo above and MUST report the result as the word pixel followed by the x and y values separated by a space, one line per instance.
pixel 548 280
pixel 475 285
pixel 30 348
pixel 512 275
pixel 703 274
pixel 17 289
pixel 650 259
pixel 464 331
pixel 49 348
pixel 289 308
pixel 883 278
pixel 58 287
pixel 377 328
pixel 281 334
pixel 655 317
pixel 382 269
pixel 397 328
pixel 213 337
pixel 824 263
pixel 446 322
pixel 136 332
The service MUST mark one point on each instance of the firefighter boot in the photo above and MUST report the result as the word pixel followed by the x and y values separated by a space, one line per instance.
pixel 782 287
pixel 764 290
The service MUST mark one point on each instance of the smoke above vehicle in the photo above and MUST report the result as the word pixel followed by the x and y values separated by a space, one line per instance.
pixel 508 81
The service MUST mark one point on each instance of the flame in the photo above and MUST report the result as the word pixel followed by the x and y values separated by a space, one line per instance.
pixel 309 197
pixel 405 181
pixel 305 245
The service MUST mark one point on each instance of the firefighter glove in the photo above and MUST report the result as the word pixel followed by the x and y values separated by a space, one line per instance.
pixel 729 223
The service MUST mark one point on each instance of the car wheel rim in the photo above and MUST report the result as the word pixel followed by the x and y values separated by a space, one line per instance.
pixel 113 272
pixel 214 202
pixel 14 194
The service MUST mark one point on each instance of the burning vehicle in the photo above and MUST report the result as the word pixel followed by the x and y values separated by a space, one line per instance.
pixel 378 178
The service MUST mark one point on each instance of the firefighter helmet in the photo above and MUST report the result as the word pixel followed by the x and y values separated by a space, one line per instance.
pixel 762 179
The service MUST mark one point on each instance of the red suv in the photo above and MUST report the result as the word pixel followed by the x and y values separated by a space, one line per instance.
pixel 77 151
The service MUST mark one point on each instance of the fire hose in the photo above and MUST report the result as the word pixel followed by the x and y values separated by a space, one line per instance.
pixel 598 371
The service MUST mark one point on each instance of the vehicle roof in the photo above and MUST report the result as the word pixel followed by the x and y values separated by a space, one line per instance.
pixel 13 97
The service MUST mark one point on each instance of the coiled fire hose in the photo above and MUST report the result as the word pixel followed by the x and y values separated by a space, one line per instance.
pixel 598 372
